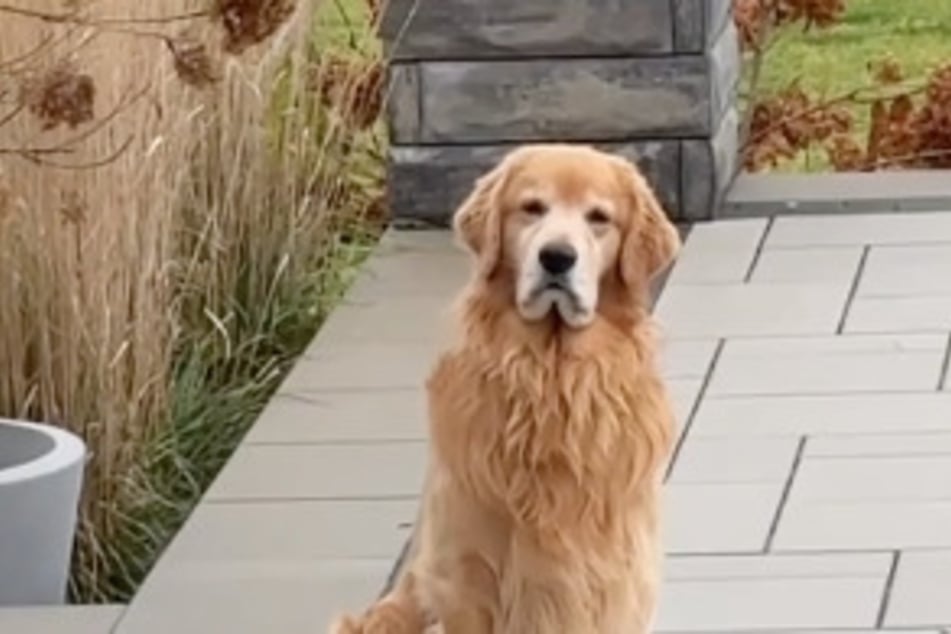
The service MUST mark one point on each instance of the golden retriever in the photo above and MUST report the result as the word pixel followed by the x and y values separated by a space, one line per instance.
pixel 549 422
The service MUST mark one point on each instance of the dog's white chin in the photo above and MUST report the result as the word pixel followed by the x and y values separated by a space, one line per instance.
pixel 541 306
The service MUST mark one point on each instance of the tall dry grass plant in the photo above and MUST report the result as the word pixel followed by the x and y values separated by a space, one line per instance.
pixel 173 193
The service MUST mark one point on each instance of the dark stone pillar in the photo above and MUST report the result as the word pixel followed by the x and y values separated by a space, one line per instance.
pixel 653 80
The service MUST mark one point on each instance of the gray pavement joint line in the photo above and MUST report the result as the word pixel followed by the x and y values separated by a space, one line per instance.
pixel 337 442
pixel 784 497
pixel 116 625
pixel 708 376
pixel 779 553
pixel 887 592
pixel 291 499
pixel 727 396
pixel 854 289
pixel 943 377
pixel 924 629
pixel 759 250
pixel 898 333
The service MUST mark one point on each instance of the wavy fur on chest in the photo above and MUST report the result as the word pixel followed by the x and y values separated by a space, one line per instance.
pixel 561 431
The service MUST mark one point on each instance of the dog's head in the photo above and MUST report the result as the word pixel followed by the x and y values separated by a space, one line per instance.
pixel 563 224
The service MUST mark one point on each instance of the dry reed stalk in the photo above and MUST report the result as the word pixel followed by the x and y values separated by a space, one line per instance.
pixel 192 208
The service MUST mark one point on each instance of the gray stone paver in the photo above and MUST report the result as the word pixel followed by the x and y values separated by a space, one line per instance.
pixel 241 597
pixel 920 593
pixel 719 252
pixel 226 532
pixel 405 319
pixel 367 366
pixel 874 492
pixel 880 192
pixel 307 472
pixel 729 459
pixel 829 365
pixel 903 270
pixel 835 414
pixel 705 518
pixel 822 265
pixel 733 594
pixel 342 416
pixel 920 313
pixel 751 310
pixel 860 229
pixel 810 457
pixel 683 395
pixel 89 619
pixel 686 358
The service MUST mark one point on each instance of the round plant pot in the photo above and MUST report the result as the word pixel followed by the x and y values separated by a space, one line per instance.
pixel 41 470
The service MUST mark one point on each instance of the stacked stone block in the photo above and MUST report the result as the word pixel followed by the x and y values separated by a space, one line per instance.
pixel 654 80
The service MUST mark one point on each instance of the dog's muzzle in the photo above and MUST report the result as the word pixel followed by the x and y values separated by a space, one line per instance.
pixel 556 260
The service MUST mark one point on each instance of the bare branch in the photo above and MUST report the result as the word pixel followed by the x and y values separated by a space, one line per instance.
pixel 10 116
pixel 9 63
pixel 853 96
pixel 75 18
pixel 110 158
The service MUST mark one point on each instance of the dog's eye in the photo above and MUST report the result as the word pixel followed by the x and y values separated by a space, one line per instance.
pixel 534 207
pixel 598 216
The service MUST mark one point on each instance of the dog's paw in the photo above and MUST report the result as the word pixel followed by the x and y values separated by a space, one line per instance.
pixel 383 618
pixel 345 625
pixel 393 618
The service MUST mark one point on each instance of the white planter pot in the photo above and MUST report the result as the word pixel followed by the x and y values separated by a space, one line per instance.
pixel 41 470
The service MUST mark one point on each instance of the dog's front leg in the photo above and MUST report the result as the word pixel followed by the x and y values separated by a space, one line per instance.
pixel 460 585
pixel 542 593
pixel 533 607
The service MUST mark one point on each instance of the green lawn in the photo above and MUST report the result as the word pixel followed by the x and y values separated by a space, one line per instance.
pixel 917 33
pixel 344 25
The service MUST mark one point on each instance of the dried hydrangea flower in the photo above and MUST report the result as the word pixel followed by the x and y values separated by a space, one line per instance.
pixel 61 95
pixel 193 63
pixel 248 22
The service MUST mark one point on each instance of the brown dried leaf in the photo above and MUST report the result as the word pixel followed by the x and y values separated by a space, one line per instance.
pixel 878 129
pixel 354 88
pixel 901 109
pixel 249 22
pixel 751 18
pixel 193 63
pixel 755 18
pixel 886 71
pixel 845 154
pixel 375 11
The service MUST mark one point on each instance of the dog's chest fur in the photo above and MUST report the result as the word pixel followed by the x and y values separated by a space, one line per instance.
pixel 560 438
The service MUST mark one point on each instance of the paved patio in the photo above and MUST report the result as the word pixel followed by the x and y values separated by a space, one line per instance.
pixel 811 490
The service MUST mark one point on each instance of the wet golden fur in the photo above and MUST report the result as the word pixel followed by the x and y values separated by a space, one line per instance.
pixel 540 510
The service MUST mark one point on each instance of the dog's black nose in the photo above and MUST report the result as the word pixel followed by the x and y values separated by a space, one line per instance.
pixel 558 258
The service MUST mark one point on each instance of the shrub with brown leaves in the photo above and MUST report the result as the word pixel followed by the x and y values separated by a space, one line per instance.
pixel 249 22
pixel 908 128
pixel 933 121
pixel 756 19
pixel 354 88
pixel 904 132
pixel 788 123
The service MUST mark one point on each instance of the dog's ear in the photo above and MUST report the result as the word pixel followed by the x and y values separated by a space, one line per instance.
pixel 651 241
pixel 477 222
